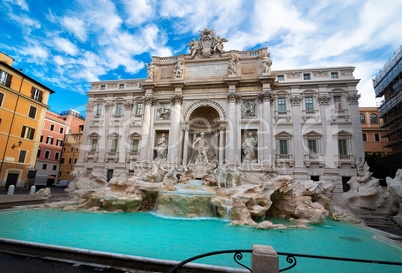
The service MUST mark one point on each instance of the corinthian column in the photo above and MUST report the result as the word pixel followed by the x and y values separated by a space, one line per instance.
pixel 266 143
pixel 233 128
pixel 186 143
pixel 146 124
pixel 175 136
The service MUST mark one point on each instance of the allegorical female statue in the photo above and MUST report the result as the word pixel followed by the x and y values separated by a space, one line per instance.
pixel 248 147
pixel 161 148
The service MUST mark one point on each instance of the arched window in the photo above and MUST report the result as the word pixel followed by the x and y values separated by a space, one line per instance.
pixel 373 119
pixel 362 118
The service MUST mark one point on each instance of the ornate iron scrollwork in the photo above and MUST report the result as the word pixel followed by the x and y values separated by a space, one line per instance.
pixel 238 256
pixel 291 260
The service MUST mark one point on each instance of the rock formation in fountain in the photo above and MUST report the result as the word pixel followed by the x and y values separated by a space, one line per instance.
pixel 366 197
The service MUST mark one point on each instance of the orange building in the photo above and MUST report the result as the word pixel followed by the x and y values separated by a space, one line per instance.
pixel 372 131
pixel 72 143
pixel 23 105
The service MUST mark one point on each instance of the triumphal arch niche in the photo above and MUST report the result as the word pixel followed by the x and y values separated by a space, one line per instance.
pixel 214 105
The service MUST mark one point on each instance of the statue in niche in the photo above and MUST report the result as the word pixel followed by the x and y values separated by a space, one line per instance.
pixel 200 145
pixel 248 147
pixel 248 109
pixel 161 148
pixel 266 65
pixel 194 46
pixel 150 71
pixel 178 69
pixel 164 112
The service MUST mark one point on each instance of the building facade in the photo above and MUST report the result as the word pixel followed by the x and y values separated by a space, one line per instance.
pixel 50 147
pixel 300 122
pixel 388 84
pixel 72 143
pixel 372 131
pixel 23 104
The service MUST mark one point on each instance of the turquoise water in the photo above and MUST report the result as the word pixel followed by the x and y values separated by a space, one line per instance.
pixel 143 234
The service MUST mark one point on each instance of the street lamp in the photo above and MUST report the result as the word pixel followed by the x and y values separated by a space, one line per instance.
pixel 19 144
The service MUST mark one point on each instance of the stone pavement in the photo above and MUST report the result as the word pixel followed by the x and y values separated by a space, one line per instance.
pixel 11 263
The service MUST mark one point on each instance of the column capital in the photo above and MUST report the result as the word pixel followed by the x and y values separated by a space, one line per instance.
pixel 265 96
pixel 177 99
pixel 149 100
pixel 324 99
pixel 353 99
pixel 296 100
pixel 232 97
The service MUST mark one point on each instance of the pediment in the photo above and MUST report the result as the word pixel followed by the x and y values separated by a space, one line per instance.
pixel 343 133
pixel 94 135
pixel 114 135
pixel 135 135
pixel 283 134
pixel 312 134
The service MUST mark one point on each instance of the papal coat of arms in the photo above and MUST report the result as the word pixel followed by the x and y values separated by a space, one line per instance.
pixel 207 45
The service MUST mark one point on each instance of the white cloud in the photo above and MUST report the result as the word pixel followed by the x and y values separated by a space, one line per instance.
pixel 21 3
pixel 138 11
pixel 66 46
pixel 28 24
pixel 36 53
pixel 75 26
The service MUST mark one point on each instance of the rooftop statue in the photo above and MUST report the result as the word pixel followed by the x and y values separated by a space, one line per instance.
pixel 207 44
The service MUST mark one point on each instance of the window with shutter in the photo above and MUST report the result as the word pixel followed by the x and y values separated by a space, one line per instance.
pixel 1 99
pixel 21 158
pixel 32 112
pixel 5 78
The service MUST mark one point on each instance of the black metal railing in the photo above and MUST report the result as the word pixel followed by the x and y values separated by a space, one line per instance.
pixel 236 257
pixel 290 259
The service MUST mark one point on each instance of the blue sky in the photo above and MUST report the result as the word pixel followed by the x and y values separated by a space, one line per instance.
pixel 68 44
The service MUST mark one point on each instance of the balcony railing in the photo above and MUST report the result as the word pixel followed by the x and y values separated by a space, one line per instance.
pixel 93 155
pixel 345 159
pixel 284 158
pixel 314 158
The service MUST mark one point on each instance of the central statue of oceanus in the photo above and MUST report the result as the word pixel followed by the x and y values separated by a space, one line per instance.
pixel 207 45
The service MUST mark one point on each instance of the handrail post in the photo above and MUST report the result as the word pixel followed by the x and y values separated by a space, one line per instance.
pixel 264 259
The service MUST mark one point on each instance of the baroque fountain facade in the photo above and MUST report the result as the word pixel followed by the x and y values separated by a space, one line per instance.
pixel 218 133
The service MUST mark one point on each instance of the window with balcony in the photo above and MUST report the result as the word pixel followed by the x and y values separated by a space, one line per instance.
pixel 338 102
pixel 139 109
pixel 342 147
pixel 283 146
pixel 94 144
pixel 114 145
pixel 28 132
pixel 309 104
pixel 135 145
pixel 99 109
pixel 312 146
pixel 373 119
pixel 362 118
pixel 5 78
pixel 119 109
pixel 281 104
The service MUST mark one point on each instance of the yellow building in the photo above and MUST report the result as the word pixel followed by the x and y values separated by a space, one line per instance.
pixel 23 105
pixel 71 151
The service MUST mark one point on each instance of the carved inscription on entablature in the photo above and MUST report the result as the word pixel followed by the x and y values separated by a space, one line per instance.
pixel 249 88
pixel 166 73
pixel 210 70
pixel 205 90
pixel 248 69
